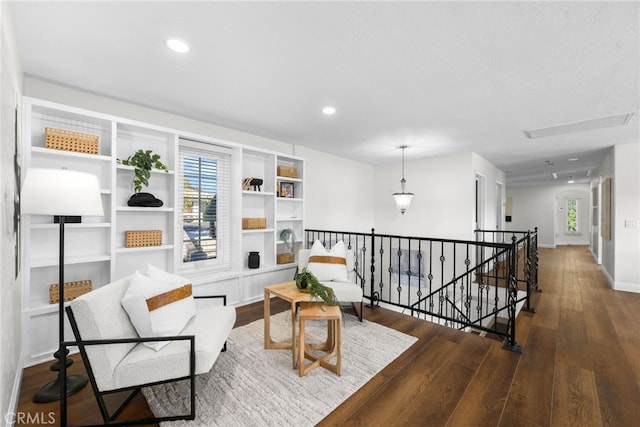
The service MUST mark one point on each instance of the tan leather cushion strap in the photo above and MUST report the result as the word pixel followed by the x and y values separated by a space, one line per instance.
pixel 326 259
pixel 167 298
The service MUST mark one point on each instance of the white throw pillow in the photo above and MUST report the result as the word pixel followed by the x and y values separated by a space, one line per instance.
pixel 328 265
pixel 160 305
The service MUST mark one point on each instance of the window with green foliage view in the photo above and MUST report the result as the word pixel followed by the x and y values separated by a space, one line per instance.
pixel 572 216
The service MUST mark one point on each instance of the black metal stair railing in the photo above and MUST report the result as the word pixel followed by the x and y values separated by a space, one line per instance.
pixel 526 268
pixel 467 285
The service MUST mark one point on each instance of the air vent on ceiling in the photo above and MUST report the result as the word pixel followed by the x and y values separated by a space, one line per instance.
pixel 602 122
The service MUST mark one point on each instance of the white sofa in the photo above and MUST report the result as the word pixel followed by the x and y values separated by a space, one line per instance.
pixel 99 315
pixel 347 293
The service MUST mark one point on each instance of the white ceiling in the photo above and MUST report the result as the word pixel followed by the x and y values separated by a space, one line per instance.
pixel 440 77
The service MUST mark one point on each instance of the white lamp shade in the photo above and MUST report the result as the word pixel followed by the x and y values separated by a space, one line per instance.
pixel 403 200
pixel 60 192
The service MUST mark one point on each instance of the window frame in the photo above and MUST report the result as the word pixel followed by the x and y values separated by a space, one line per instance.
pixel 567 201
pixel 223 156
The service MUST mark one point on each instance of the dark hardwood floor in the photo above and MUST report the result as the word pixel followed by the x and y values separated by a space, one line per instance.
pixel 580 367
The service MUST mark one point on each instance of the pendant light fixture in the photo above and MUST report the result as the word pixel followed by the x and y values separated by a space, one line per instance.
pixel 403 199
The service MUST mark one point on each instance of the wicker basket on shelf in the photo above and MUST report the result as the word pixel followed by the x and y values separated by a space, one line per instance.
pixel 285 258
pixel 72 290
pixel 71 141
pixel 141 238
pixel 288 171
pixel 254 223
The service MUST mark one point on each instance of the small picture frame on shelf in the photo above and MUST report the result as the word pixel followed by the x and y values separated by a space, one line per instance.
pixel 286 190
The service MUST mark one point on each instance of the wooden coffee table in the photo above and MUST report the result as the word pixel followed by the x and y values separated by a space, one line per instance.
pixel 288 292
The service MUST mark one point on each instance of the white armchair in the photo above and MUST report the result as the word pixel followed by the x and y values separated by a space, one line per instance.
pixel 349 292
pixel 116 359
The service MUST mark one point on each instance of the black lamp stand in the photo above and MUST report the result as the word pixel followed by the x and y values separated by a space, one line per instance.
pixel 53 390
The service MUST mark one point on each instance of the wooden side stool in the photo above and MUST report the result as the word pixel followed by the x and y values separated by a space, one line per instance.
pixel 333 345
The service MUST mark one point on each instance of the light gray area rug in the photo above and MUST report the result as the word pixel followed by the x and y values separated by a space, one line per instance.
pixel 251 386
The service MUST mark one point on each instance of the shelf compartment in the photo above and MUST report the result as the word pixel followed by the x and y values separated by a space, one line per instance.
pixel 257 231
pixel 68 260
pixel 258 193
pixel 142 209
pixel 45 117
pixel 50 152
pixel 122 250
pixel 47 226
pixel 153 171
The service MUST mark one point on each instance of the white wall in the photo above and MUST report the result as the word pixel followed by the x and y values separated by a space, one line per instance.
pixel 89 101
pixel 491 175
pixel 10 282
pixel 339 194
pixel 538 206
pixel 443 204
pixel 583 195
pixel 626 199
pixel 596 239
pixel 606 170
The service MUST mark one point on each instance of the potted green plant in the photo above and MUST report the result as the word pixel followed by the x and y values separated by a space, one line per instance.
pixel 307 282
pixel 288 236
pixel 143 161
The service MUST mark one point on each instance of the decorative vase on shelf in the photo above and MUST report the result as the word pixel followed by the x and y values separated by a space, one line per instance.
pixel 254 260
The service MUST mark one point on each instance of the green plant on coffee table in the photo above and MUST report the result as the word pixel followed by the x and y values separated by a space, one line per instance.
pixel 143 161
pixel 307 282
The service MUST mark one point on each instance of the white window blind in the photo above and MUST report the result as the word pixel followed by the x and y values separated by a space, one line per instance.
pixel 204 194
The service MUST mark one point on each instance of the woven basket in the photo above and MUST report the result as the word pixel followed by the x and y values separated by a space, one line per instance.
pixel 70 141
pixel 288 171
pixel 140 238
pixel 254 223
pixel 285 258
pixel 72 290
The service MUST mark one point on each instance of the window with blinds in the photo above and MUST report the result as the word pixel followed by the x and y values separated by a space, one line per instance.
pixel 204 185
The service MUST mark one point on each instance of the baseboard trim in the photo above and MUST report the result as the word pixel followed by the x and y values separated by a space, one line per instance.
pixel 546 245
pixel 15 393
pixel 620 286
pixel 608 276
pixel 627 287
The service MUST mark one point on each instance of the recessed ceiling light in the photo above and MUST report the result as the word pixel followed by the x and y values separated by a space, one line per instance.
pixel 177 45
pixel 329 110
pixel 554 175
pixel 570 181
pixel 602 122
pixel 573 159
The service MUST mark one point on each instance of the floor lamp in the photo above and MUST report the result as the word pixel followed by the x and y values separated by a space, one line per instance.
pixel 62 193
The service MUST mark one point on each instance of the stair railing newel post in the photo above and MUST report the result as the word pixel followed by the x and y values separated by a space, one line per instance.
pixel 373 298
pixel 527 270
pixel 535 247
pixel 512 284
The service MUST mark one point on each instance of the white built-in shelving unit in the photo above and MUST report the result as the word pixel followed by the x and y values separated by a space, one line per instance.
pixel 95 249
